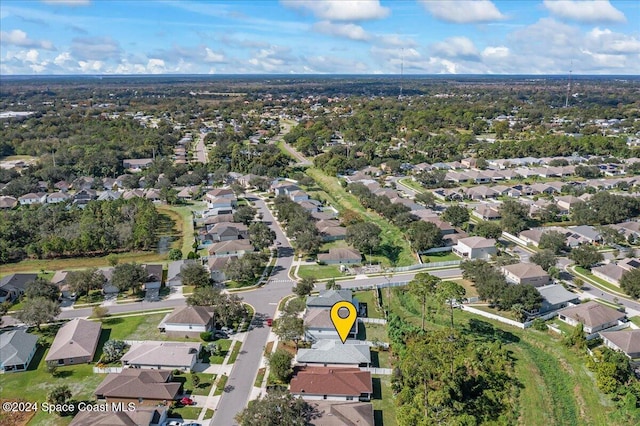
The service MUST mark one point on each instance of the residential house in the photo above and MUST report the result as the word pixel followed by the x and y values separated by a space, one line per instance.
pixel 75 343
pixel 310 205
pixel 188 192
pixel 174 269
pixel 231 248
pixel 327 298
pixel 592 315
pixel 331 413
pixel 17 348
pixel 613 272
pixel 526 273
pixel 59 279
pixel 220 204
pixel 141 416
pixel 107 287
pixel 32 198
pixel 318 325
pixel 330 232
pixel 476 248
pixel 13 286
pixel 162 355
pixel 566 203
pixel 109 195
pixel 556 297
pixel 481 193
pixel 62 186
pixel 298 195
pixel 84 196
pixel 332 353
pixel 142 387
pixel 227 231
pixel 8 202
pixel 58 197
pixel 586 233
pixel 340 256
pixel 335 384
pixel 187 321
pixel 138 164
pixel 153 194
pixel 627 341
pixel 216 267
pixel 486 212
pixel 154 277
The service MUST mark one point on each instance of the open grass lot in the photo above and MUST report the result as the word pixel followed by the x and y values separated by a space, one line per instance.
pixel 392 237
pixel 319 272
pixel 139 327
pixel 384 409
pixel 380 358
pixel 369 297
pixel 557 388
pixel 183 218
pixel 416 186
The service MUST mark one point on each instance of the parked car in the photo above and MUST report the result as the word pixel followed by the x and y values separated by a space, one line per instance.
pixel 220 335
pixel 187 401
pixel 191 424
pixel 227 330
pixel 269 322
pixel 173 423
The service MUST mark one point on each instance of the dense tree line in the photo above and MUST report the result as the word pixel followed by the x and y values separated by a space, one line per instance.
pixel 398 214
pixel 55 230
pixel 299 225
pixel 605 208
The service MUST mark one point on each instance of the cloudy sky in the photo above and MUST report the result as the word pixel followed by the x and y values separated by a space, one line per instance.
pixel 319 36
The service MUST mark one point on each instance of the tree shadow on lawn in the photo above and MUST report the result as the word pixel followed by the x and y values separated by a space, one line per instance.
pixel 105 333
pixel 391 252
pixel 377 388
pixel 486 331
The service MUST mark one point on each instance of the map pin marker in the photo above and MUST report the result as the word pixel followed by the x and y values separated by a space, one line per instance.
pixel 343 316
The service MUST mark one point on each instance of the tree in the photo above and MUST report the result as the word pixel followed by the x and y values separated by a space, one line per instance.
pixel 81 282
pixel 112 259
pixel 195 379
pixel 546 259
pixel 38 311
pixel 549 213
pixel 364 236
pixel 519 312
pixel 308 241
pixel 630 283
pixel 59 395
pixel 280 365
pixel 554 241
pixel 424 236
pixel 194 274
pixel 261 235
pixel 41 288
pixel 304 287
pixel 422 286
pixel 128 276
pixel 586 256
pixel 276 408
pixel 349 217
pixel 456 215
pixel 244 214
pixel 113 350
pixel 576 338
pixel 449 292
pixel 426 198
pixel 100 311
pixel 289 327
pixel 488 229
pixel 332 285
pixel 175 254
pixel 204 296
pixel 515 216
pixel 294 306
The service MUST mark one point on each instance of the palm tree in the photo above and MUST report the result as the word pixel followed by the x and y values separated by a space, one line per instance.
pixel 421 286
pixel 450 291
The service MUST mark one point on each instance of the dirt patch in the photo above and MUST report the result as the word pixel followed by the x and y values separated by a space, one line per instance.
pixel 14 418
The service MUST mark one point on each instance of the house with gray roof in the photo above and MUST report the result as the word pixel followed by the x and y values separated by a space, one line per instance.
pixel 627 341
pixel 525 273
pixel 162 355
pixel 556 297
pixel 75 343
pixel 332 353
pixel 187 321
pixel 17 348
pixel 13 286
pixel 592 315
pixel 318 326
pixel 340 256
pixel 328 298
pixel 586 233
pixel 174 269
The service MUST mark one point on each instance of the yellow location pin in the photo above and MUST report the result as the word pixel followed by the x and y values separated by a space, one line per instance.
pixel 343 316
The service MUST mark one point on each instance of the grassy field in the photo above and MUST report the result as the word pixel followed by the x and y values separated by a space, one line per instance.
pixel 391 235
pixel 635 320
pixel 368 297
pixel 416 186
pixel 384 409
pixel 319 272
pixel 186 413
pixel 140 327
pixel 556 387
pixel 183 218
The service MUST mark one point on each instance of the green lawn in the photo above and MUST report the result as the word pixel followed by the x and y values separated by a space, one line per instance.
pixel 416 186
pixel 443 256
pixel 635 320
pixel 183 228
pixel 373 332
pixel 369 297
pixel 384 408
pixel 224 345
pixel 392 237
pixel 557 388
pixel 186 413
pixel 319 272
pixel 140 327
pixel 222 382
pixel 203 388
pixel 381 358
pixel 259 378
pixel 234 352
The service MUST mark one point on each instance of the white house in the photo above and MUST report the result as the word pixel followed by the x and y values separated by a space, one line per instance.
pixel 187 321
pixel 593 316
pixel 476 248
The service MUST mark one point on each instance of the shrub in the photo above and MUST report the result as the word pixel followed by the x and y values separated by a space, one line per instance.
pixel 539 324
pixel 207 336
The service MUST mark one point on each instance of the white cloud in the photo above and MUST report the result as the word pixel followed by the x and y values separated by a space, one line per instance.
pixel 62 59
pixel 457 47
pixel 495 52
pixel 273 59
pixel 91 66
pixel 585 11
pixel 612 43
pixel 350 31
pixel 211 56
pixel 463 11
pixel 396 40
pixel 20 38
pixel 156 66
pixel 341 10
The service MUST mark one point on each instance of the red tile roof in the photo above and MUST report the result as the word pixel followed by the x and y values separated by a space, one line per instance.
pixel 331 381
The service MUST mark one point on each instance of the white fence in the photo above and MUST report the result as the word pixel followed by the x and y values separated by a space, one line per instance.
pixel 493 316
pixel 373 320
pixel 107 370
pixel 427 265
pixel 380 371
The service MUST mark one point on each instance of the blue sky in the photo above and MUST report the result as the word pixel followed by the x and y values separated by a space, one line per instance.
pixel 319 36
